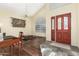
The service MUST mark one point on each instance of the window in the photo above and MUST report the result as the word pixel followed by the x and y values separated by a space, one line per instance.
pixel 41 25
pixel 59 23
pixel 65 23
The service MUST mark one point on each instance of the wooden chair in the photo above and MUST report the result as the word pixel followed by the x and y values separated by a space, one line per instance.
pixel 21 38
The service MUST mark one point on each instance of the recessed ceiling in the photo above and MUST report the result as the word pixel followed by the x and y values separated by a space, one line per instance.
pixel 28 9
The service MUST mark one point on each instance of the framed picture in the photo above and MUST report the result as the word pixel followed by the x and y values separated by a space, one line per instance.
pixel 18 22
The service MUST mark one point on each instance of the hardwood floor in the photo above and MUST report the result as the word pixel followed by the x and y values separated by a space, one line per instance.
pixel 30 48
pixel 27 50
pixel 32 51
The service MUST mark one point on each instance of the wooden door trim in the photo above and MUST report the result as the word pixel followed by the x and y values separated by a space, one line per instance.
pixel 64 14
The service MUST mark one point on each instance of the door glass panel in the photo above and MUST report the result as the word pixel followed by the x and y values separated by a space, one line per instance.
pixel 65 23
pixel 59 24
pixel 52 23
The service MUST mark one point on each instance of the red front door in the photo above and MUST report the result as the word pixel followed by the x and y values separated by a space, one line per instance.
pixel 53 28
pixel 63 28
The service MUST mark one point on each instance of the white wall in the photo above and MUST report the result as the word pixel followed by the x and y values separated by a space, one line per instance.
pixel 41 13
pixel 6 25
pixel 77 7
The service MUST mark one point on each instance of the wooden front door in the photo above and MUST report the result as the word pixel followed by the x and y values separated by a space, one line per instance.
pixel 53 28
pixel 63 28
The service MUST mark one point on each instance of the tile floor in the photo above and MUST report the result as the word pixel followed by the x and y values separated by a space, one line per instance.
pixel 58 49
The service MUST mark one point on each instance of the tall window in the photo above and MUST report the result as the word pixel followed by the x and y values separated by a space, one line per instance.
pixel 40 25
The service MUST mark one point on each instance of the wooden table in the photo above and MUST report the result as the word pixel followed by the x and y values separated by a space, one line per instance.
pixel 11 43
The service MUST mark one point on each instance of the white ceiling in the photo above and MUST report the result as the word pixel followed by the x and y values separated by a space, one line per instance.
pixel 28 9
pixel 57 5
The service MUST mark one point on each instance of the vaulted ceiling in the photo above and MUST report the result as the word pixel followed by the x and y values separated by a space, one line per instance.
pixel 28 9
